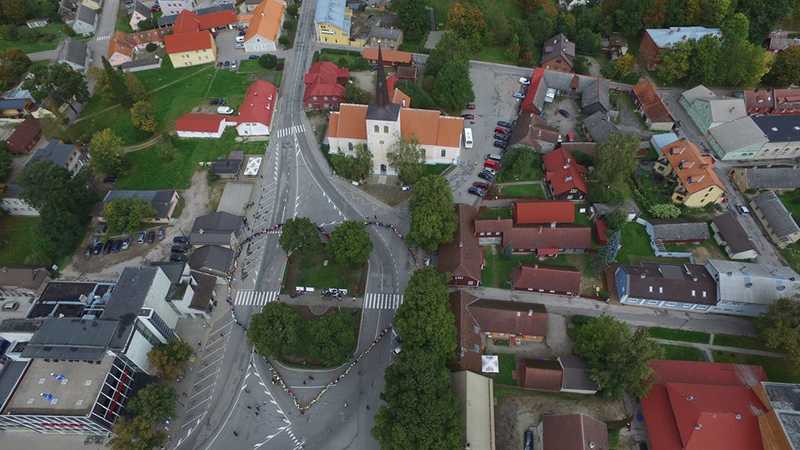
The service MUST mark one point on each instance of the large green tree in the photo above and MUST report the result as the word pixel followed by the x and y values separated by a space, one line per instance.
pixel 413 17
pixel 138 433
pixel 617 357
pixel 425 321
pixel 59 82
pixel 299 234
pixel 332 337
pixel 125 215
pixel 465 19
pixel 674 65
pixel 13 11
pixel 785 69
pixel 142 116
pixel 745 63
pixel 170 359
pixel 433 219
pixel 117 85
pixel 449 47
pixel 155 401
pixel 452 88
pixel 275 330
pixel 408 158
pixel 13 65
pixel 350 244
pixel 106 150
pixel 615 160
pixel 780 329
pixel 355 167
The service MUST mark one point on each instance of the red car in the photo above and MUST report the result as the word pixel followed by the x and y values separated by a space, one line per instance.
pixel 501 130
pixel 492 164
pixel 482 185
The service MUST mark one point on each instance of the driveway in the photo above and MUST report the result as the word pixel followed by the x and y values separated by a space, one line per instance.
pixel 494 85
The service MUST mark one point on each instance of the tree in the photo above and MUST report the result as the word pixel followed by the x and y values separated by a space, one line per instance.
pixel 155 401
pixel 142 116
pixel 780 329
pixel 59 82
pixel 48 186
pixel 353 167
pixel 424 320
pixel 449 47
pixel 5 162
pixel 117 85
pixel 616 159
pixel 452 88
pixel 616 357
pixel 106 150
pixel 712 12
pixel 138 433
pixel 350 244
pixel 268 61
pixel 704 64
pixel 299 235
pixel 14 11
pixel 764 15
pixel 518 162
pixel 785 69
pixel 665 211
pixel 135 87
pixel 354 94
pixel 674 65
pixel 622 68
pixel 284 41
pixel 413 17
pixel 408 158
pixel 433 220
pixel 13 65
pixel 587 42
pixel 275 330
pixel 467 22
pixel 332 337
pixel 125 215
pixel 744 62
pixel 170 359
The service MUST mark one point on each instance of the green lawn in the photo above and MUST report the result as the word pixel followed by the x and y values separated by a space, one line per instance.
pixel 495 54
pixel 778 369
pixel 527 190
pixel 313 271
pixel 17 235
pixel 729 340
pixel 497 269
pixel 792 255
pixel 435 169
pixel 792 202
pixel 635 244
pixel 680 353
pixel 679 335
pixel 123 20
pixel 52 35
pixel 148 170
pixel 508 364
pixel 495 213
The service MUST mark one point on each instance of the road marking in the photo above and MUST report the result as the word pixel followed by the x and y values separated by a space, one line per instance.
pixel 290 130
pixel 248 297
pixel 383 301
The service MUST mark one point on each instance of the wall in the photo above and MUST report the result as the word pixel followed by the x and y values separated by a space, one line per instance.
pixel 186 59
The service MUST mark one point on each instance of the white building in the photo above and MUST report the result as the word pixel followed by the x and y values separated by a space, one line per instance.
pixel 265 27
pixel 174 7
pixel 748 289
pixel 85 21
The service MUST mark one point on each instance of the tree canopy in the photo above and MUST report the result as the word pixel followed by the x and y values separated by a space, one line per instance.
pixel 408 158
pixel 125 215
pixel 155 401
pixel 350 244
pixel 142 116
pixel 617 358
pixel 355 167
pixel 13 65
pixel 332 337
pixel 275 330
pixel 138 433
pixel 615 160
pixel 170 359
pixel 780 329
pixel 5 162
pixel 426 323
pixel 413 17
pixel 299 234
pixel 452 88
pixel 433 219
pixel 106 150
pixel 117 84
pixel 785 69
pixel 59 82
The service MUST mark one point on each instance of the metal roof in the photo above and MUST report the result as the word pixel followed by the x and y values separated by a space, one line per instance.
pixel 753 283
pixel 667 37
pixel 131 291
pixel 737 134
pixel 333 12
pixel 776 215
pixel 71 339
pixel 779 128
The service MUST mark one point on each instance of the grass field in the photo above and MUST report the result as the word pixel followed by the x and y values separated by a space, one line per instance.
pixel 680 353
pixel 679 335
pixel 778 369
pixel 527 190
pixel 497 269
pixel 636 247
pixel 314 271
pixel 728 340
pixel 508 364
pixel 792 202
pixel 17 236
pixel 52 35
pixel 495 213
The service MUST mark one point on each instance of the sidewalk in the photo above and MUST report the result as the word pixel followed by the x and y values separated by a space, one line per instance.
pixel 709 349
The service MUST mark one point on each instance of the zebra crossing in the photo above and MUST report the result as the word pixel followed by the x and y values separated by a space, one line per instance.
pixel 383 301
pixel 288 131
pixel 249 297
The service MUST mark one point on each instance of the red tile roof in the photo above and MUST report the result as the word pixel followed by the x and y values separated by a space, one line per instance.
pixel 199 122
pixel 24 136
pixel 322 80
pixel 463 257
pixel 703 406
pixel 388 55
pixel 563 173
pixel 536 237
pixel 560 280
pixel 188 22
pixel 544 211
pixel 187 42
pixel 259 103
pixel 536 78
pixel 573 432
pixel 543 375
pixel 601 230
pixel 651 104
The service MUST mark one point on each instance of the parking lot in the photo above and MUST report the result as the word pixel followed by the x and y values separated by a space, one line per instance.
pixel 494 86
pixel 226 47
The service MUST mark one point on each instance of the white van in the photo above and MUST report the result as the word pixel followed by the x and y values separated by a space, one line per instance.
pixel 467 137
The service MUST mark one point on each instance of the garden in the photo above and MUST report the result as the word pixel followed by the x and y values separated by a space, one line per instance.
pixel 18 238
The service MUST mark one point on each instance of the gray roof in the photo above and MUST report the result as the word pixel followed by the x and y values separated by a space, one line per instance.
pixel 142 9
pixel 753 283
pixel 86 15
pixel 159 200
pixel 73 51
pixel 172 269
pixel 10 373
pixel 697 92
pixel 203 291
pixel 14 103
pixel 212 258
pixel 737 134
pixel 779 128
pixel 55 152
pixel 772 177
pixel 687 283
pixel 576 374
pixel 333 12
pixel 778 218
pixel 596 92
pixel 667 37
pixel 131 291
pixel 680 231
pixel 23 277
pixel 600 127
pixel 556 46
pixel 230 165
pixel 725 109
pixel 215 228
pixel 733 233
pixel 784 398
pixel 389 34
pixel 71 339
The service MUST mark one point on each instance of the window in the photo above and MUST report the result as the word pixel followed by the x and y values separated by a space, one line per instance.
pixel 377 129
pixel 444 153
pixel 350 146
pixel 386 129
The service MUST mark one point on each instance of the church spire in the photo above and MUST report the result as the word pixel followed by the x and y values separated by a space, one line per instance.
pixel 381 92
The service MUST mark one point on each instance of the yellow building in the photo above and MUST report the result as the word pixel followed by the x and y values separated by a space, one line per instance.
pixel 697 183
pixel 191 49
pixel 332 22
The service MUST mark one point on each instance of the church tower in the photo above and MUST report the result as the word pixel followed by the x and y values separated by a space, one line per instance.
pixel 383 123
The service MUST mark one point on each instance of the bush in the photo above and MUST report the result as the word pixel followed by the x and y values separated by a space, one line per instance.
pixel 284 41
pixel 289 25
pixel 268 61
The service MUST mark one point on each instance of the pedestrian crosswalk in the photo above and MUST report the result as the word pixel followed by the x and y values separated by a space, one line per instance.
pixel 383 301
pixel 249 297
pixel 288 131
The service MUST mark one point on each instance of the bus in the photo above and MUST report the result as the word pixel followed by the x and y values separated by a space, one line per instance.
pixel 467 137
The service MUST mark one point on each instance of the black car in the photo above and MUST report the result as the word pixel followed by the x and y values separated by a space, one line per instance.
pixel 178 257
pixel 98 248
pixel 503 123
pixel 486 176
pixel 180 240
pixel 528 440
pixel 179 249
pixel 476 191
pixel 116 245
pixel 252 57
pixel 151 237
pixel 468 116
pixel 110 179
pixel 564 113
pixel 501 144
pixel 107 247
pixel 502 137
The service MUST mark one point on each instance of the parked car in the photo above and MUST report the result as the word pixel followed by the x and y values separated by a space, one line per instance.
pixel 491 164
pixel 488 176
pixel 226 110
pixel 116 245
pixel 525 81
pixel 216 101
pixel 501 144
pixel 501 130
pixel 470 106
pixel 110 179
pixel 468 116
pixel 180 240
pixel 743 209
pixel 564 113
pixel 405 187
pixel 252 57
pixel 240 39
pixel 481 185
pixel 10 306
pixel 98 248
pixel 151 237
pixel 519 95
pixel 162 233
pixel 178 249
pixel 233 65
pixel 178 257
pixel 476 191
pixel 504 124
pixel 238 46
pixel 528 439
pixel 502 137
pixel 140 237
pixel 126 243
pixel 101 228
pixel 494 156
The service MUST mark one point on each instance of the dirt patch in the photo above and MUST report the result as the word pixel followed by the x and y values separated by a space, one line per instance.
pixel 516 413
pixel 364 79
